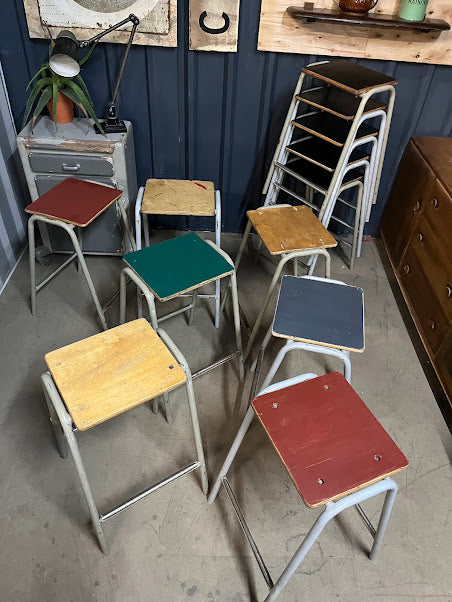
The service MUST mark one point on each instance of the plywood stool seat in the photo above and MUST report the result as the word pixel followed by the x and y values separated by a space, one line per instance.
pixel 71 203
pixel 174 268
pixel 179 197
pixel 335 451
pixel 288 232
pixel 105 375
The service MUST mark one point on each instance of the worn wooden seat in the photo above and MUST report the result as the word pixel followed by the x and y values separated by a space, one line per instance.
pixel 111 372
pixel 348 76
pixel 178 197
pixel 334 450
pixel 105 375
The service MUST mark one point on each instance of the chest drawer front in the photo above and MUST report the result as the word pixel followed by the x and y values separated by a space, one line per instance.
pixel 430 317
pixel 435 263
pixel 438 211
pixel 444 363
pixel 86 165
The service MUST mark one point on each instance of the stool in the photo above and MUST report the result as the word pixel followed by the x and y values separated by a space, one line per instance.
pixel 335 451
pixel 288 232
pixel 105 375
pixel 317 315
pixel 180 197
pixel 71 203
pixel 177 266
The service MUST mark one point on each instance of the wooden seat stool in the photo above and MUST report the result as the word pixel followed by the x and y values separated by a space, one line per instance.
pixel 335 451
pixel 71 203
pixel 180 265
pixel 288 233
pixel 105 375
pixel 196 198
pixel 317 315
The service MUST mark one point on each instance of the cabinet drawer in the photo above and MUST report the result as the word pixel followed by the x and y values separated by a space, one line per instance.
pixel 438 211
pixel 435 263
pixel 45 183
pixel 430 317
pixel 70 165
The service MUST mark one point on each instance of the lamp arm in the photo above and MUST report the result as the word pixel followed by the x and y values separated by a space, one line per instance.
pixel 130 19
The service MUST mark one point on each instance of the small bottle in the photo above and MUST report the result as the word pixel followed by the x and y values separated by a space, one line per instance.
pixel 413 10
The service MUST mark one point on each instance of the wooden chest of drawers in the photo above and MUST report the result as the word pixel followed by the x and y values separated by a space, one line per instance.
pixel 417 234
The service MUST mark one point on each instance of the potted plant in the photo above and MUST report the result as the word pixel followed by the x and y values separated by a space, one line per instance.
pixel 55 92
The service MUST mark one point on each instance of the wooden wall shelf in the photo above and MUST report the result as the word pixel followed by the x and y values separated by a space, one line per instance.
pixel 309 14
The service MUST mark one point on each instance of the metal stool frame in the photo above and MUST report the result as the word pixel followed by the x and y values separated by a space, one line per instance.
pixel 331 510
pixel 65 431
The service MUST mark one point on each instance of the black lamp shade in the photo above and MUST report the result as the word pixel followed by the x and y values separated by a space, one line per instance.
pixel 64 58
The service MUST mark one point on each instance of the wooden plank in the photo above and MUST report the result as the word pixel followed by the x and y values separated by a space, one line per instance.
pixel 38 28
pixel 111 372
pixel 214 25
pixel 320 312
pixel 337 102
pixel 329 441
pixel 322 153
pixel 285 229
pixel 75 201
pixel 279 32
pixel 178 197
pixel 178 265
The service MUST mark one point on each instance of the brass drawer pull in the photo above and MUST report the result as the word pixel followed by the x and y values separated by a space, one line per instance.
pixel 417 207
pixel 449 291
pixel 406 269
pixel 435 203
pixel 432 324
pixel 420 237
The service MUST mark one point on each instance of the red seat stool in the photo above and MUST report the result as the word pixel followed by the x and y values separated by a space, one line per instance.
pixel 334 449
pixel 69 204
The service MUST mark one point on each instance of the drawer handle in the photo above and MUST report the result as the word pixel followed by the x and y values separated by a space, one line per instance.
pixel 406 269
pixel 449 291
pixel 417 207
pixel 71 168
pixel 420 237
pixel 435 203
pixel 432 324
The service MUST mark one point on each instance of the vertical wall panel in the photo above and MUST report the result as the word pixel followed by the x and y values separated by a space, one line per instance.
pixel 218 116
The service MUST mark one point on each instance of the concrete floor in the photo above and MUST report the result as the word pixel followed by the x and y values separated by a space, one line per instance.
pixel 174 546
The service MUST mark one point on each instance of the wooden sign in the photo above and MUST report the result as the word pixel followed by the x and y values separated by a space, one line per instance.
pixel 279 32
pixel 86 18
pixel 214 25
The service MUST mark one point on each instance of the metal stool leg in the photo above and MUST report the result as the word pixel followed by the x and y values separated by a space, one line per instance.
pixel 218 243
pixel 245 236
pixel 192 406
pixel 31 252
pixel 192 310
pixel 66 425
pixel 236 313
pixel 141 286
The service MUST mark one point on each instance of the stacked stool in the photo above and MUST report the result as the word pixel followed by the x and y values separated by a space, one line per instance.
pixel 335 451
pixel 104 376
pixel 322 147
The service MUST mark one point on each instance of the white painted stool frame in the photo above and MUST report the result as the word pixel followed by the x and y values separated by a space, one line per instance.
pixel 150 299
pixel 65 431
pixel 331 510
pixel 144 225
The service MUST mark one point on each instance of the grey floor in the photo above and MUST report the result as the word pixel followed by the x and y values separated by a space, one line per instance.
pixel 173 545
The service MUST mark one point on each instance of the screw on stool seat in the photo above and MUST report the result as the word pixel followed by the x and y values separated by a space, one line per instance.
pixel 72 203
pixel 335 451
pixel 106 375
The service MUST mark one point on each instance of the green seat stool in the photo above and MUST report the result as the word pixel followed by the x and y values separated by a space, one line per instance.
pixel 175 267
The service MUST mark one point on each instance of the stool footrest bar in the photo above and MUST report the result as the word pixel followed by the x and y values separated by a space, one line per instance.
pixel 365 520
pixel 175 312
pixel 224 360
pixel 146 492
pixel 55 272
pixel 247 532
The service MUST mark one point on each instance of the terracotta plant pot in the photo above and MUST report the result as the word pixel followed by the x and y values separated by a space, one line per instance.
pixel 64 109
pixel 356 6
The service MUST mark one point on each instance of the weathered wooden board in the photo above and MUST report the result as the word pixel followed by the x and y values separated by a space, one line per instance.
pixel 214 25
pixel 279 32
pixel 86 18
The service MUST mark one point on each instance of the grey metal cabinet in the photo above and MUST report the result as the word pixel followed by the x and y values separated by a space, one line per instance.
pixel 50 153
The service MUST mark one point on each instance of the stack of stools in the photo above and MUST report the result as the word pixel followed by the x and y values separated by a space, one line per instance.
pixel 325 141
pixel 335 451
